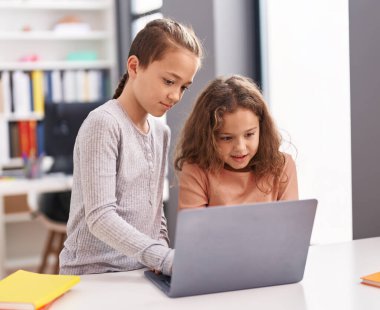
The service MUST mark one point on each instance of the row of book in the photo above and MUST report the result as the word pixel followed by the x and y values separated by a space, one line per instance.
pixel 26 139
pixel 25 92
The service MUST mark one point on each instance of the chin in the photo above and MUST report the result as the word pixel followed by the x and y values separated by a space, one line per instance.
pixel 158 114
pixel 238 167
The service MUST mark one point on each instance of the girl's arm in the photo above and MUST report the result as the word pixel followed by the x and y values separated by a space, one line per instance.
pixel 164 230
pixel 193 188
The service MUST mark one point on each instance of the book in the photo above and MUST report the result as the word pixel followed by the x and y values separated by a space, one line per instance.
pixel 23 130
pixel 21 93
pixel 371 279
pixel 5 94
pixel 38 91
pixel 56 86
pixel 14 140
pixel 4 143
pixel 28 290
pixel 32 138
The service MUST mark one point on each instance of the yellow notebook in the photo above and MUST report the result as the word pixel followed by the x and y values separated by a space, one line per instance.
pixel 29 290
pixel 372 279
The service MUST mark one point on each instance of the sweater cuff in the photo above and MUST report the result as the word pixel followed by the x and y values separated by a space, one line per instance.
pixel 168 263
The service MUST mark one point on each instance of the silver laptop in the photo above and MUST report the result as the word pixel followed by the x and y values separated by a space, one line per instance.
pixel 230 248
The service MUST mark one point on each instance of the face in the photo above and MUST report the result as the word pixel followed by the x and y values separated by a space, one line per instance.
pixel 238 139
pixel 159 86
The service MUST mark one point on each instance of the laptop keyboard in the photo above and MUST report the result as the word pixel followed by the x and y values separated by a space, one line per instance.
pixel 165 279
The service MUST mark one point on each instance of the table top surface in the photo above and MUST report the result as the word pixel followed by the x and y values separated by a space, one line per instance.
pixel 331 281
pixel 48 183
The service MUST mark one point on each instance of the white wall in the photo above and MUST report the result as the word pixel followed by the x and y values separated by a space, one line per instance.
pixel 306 81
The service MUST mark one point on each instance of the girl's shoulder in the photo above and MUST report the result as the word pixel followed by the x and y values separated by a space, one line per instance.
pixel 289 162
pixel 105 116
pixel 194 169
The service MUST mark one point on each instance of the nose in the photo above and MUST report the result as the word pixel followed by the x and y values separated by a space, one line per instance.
pixel 240 145
pixel 175 95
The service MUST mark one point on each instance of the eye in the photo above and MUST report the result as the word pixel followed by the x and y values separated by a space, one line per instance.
pixel 250 134
pixel 225 138
pixel 183 88
pixel 168 82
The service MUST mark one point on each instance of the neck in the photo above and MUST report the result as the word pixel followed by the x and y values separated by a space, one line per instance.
pixel 229 168
pixel 134 110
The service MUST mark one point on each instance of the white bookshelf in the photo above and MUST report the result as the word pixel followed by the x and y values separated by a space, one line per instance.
pixel 27 31
pixel 27 28
pixel 52 36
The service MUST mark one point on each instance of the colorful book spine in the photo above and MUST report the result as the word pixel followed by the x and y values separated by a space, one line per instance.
pixel 32 138
pixel 38 91
pixel 23 129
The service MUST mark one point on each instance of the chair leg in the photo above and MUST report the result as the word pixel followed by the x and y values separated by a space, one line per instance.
pixel 47 250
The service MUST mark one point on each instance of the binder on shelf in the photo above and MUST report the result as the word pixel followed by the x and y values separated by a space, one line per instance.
pixel 32 138
pixel 95 85
pixel 23 129
pixel 21 93
pixel 40 139
pixel 48 87
pixel 56 84
pixel 69 86
pixel 38 91
pixel 14 140
pixel 4 144
pixel 5 94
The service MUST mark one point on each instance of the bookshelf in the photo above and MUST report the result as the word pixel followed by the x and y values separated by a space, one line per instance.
pixel 31 43
pixel 74 40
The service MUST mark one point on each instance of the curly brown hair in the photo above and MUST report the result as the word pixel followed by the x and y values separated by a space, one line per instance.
pixel 155 39
pixel 197 142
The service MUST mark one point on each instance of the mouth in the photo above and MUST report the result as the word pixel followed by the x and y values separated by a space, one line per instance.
pixel 239 158
pixel 166 106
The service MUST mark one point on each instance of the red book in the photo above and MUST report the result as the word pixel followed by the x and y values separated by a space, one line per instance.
pixel 23 130
pixel 32 139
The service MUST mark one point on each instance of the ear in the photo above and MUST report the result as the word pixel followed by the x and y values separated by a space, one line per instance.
pixel 132 65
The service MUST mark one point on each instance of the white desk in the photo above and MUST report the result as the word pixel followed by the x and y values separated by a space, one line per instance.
pixel 50 183
pixel 331 281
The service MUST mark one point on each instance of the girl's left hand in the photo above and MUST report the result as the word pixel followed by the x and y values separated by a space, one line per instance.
pixel 155 271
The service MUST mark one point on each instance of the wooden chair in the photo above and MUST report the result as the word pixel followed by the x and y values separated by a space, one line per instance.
pixel 54 242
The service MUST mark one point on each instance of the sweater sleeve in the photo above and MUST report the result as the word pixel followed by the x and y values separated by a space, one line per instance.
pixel 193 188
pixel 288 187
pixel 98 147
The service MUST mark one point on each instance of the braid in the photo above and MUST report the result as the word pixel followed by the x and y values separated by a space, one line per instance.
pixel 120 87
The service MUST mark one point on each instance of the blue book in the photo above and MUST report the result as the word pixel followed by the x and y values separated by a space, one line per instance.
pixel 48 87
pixel 40 139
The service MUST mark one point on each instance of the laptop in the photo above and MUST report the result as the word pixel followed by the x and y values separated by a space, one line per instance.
pixel 228 248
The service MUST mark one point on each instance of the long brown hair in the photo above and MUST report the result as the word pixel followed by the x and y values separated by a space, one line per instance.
pixel 155 39
pixel 197 142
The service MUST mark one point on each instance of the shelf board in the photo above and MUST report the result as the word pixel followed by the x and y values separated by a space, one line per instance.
pixel 30 117
pixel 55 5
pixel 61 65
pixel 18 217
pixel 52 36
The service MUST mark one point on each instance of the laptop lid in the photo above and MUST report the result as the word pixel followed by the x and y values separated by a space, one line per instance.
pixel 239 247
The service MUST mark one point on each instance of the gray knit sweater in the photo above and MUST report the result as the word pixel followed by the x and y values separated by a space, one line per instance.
pixel 116 219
